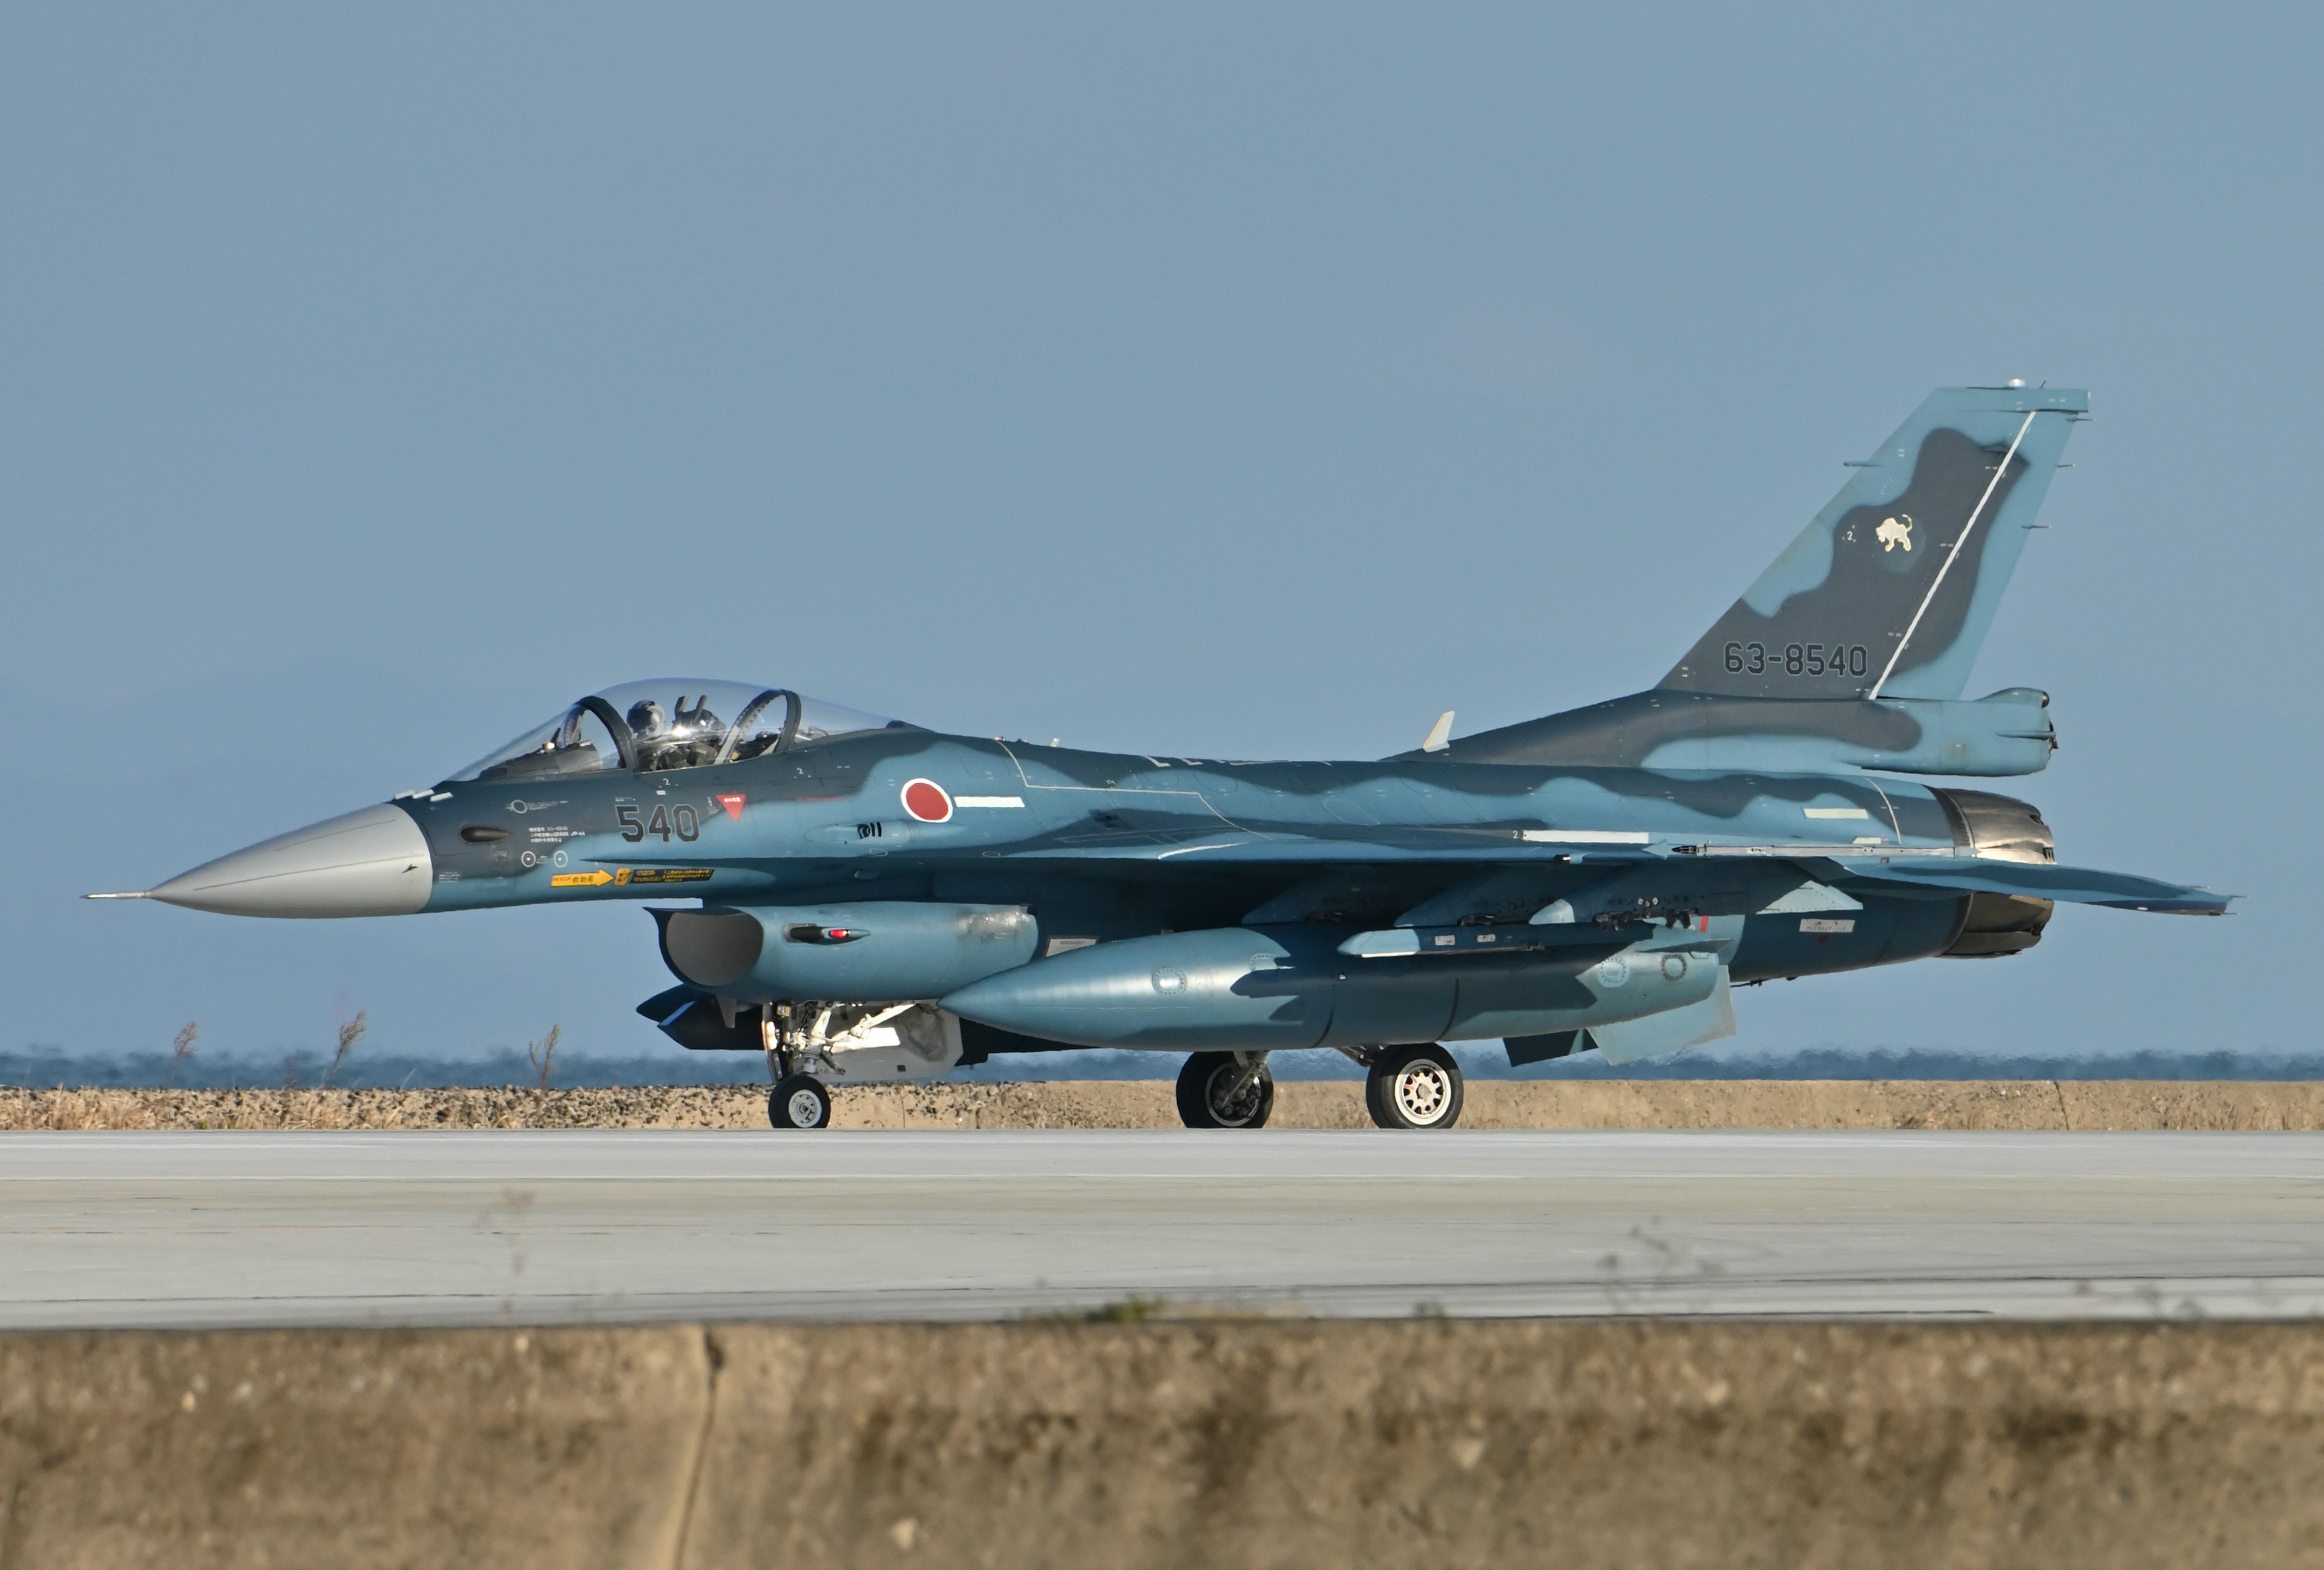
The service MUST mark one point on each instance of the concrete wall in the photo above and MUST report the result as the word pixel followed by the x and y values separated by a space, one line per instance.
pixel 1228 1442
pixel 1146 1103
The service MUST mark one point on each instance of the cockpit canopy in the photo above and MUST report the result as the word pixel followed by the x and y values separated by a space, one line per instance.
pixel 669 723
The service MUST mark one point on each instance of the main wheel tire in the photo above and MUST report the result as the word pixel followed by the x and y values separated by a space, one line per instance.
pixel 1207 1100
pixel 1413 1087
pixel 799 1100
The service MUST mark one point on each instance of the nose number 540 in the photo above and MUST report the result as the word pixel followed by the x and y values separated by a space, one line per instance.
pixel 681 819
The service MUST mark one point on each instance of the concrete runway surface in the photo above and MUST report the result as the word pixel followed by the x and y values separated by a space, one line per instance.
pixel 285 1229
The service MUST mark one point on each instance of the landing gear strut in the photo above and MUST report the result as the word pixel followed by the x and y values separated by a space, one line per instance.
pixel 1225 1090
pixel 1413 1087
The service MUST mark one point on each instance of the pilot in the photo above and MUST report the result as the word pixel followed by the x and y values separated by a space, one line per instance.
pixel 699 732
pixel 651 731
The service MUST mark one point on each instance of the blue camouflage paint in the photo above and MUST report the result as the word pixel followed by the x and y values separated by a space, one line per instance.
pixel 1923 537
pixel 1605 873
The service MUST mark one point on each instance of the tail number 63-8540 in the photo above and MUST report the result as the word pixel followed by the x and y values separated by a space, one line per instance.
pixel 1801 658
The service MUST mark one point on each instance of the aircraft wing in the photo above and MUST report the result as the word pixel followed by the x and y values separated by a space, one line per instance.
pixel 2038 880
pixel 1355 843
pixel 1933 871
pixel 1170 839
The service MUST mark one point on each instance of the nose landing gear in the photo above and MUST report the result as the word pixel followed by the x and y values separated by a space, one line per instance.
pixel 798 1100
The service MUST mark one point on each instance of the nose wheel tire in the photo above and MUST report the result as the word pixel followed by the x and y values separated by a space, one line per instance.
pixel 799 1100
pixel 1219 1090
pixel 1413 1087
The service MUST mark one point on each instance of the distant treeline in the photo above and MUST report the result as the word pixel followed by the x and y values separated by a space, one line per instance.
pixel 44 1067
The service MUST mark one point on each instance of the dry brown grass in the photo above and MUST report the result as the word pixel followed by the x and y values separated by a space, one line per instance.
pixel 499 1108
pixel 1147 1104
pixel 1140 1441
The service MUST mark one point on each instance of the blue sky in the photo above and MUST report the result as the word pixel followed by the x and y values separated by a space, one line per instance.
pixel 1209 380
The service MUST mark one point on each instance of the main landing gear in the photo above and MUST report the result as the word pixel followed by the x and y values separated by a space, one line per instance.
pixel 1413 1087
pixel 1225 1090
pixel 1405 1087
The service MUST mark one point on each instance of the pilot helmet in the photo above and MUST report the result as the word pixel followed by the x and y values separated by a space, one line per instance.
pixel 645 717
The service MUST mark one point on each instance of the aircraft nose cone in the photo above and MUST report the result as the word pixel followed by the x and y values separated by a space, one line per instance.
pixel 372 863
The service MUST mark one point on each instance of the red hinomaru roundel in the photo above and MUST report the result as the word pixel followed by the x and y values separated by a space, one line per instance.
pixel 925 801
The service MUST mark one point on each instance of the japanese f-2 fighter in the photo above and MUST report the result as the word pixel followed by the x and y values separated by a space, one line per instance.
pixel 866 901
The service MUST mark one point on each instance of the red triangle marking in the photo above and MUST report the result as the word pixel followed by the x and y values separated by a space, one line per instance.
pixel 733 805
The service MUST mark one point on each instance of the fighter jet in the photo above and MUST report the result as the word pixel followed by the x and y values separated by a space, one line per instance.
pixel 864 900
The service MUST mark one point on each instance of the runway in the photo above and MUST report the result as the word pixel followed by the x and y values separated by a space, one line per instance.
pixel 284 1229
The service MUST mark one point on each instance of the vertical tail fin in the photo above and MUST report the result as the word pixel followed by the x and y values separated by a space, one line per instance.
pixel 1892 588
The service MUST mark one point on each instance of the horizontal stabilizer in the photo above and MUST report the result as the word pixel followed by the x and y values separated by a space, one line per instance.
pixel 2038 880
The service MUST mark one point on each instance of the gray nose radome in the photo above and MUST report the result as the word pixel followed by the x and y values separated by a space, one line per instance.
pixel 372 863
